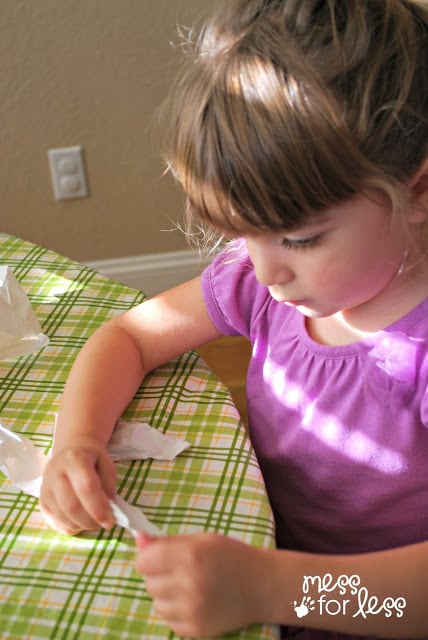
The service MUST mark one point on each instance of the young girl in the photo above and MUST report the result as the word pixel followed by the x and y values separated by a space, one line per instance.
pixel 301 128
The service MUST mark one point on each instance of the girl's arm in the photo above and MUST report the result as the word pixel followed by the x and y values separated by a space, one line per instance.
pixel 206 585
pixel 105 376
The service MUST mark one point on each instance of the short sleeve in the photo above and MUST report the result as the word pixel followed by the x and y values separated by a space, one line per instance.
pixel 231 291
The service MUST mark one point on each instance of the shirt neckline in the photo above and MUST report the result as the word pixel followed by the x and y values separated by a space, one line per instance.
pixel 402 324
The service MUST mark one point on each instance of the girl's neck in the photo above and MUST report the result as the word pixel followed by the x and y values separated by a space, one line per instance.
pixel 408 289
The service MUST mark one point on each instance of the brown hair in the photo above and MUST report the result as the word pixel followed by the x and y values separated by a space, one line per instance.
pixel 289 106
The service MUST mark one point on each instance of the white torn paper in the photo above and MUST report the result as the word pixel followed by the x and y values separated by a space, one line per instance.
pixel 138 441
pixel 20 331
pixel 132 518
pixel 24 463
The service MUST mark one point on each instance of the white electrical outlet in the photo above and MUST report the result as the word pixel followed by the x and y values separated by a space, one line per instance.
pixel 68 173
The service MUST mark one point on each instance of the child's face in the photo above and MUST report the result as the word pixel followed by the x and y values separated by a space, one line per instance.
pixel 348 259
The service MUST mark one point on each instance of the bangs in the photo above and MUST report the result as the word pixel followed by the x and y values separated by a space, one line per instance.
pixel 243 157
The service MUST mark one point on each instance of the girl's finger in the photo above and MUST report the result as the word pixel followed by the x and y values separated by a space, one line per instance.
pixel 60 523
pixel 143 539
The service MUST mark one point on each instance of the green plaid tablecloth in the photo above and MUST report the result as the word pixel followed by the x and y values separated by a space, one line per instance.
pixel 53 586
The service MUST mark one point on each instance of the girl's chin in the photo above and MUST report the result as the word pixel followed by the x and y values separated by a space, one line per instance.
pixel 305 308
pixel 310 312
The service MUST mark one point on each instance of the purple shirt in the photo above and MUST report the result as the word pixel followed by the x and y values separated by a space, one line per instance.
pixel 340 432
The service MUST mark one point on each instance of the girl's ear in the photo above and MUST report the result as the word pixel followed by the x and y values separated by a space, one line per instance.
pixel 419 190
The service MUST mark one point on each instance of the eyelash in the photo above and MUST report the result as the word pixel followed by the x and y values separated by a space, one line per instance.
pixel 300 245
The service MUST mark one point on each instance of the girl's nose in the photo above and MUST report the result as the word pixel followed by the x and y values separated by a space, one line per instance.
pixel 269 263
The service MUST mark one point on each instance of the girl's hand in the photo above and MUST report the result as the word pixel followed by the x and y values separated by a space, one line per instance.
pixel 204 585
pixel 77 485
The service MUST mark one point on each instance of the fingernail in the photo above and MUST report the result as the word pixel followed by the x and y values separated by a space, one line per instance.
pixel 108 524
pixel 142 540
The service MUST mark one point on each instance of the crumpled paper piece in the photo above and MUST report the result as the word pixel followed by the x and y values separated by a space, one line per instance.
pixel 138 441
pixel 20 331
pixel 24 463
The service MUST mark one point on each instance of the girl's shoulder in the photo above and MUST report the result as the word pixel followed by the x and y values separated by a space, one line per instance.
pixel 233 296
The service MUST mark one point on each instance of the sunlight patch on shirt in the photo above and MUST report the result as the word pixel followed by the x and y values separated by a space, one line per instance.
pixel 354 444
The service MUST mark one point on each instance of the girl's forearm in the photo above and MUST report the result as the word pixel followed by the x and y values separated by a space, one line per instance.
pixel 380 594
pixel 102 382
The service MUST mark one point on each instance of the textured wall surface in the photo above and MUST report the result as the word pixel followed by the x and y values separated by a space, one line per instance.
pixel 90 73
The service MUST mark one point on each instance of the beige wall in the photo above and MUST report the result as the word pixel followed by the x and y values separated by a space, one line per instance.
pixel 90 73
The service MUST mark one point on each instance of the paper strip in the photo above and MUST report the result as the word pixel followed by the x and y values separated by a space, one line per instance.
pixel 133 519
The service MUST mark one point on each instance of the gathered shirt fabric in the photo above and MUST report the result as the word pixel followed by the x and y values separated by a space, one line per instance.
pixel 340 432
